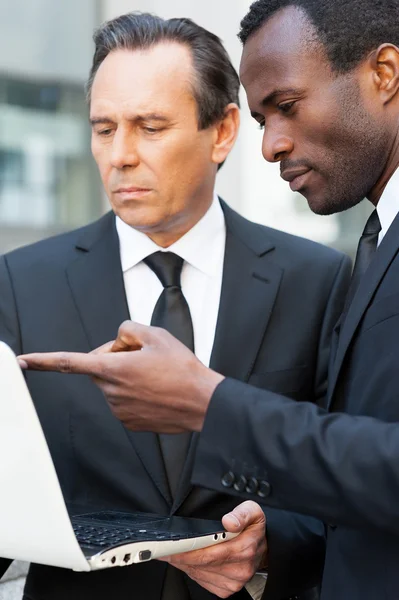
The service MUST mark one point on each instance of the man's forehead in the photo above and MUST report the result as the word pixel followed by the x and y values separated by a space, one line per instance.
pixel 166 63
pixel 280 45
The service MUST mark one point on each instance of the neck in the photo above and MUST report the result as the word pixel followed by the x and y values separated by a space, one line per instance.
pixel 390 168
pixel 177 228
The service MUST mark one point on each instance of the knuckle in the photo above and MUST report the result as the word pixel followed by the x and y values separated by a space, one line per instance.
pixel 247 573
pixel 162 335
pixel 105 372
pixel 125 326
pixel 64 363
pixel 204 560
pixel 192 572
pixel 234 587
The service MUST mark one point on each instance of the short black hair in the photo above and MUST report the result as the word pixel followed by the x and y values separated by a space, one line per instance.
pixel 348 29
pixel 216 81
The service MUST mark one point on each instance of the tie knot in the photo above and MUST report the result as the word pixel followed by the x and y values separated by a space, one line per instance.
pixel 373 225
pixel 167 267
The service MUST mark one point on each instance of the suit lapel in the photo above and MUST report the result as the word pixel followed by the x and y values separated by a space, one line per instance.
pixel 250 284
pixel 96 282
pixel 249 288
pixel 364 295
pixel 331 362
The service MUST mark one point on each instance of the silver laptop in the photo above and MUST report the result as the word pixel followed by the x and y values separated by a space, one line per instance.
pixel 35 524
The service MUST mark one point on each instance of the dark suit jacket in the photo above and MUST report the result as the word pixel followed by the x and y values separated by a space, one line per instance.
pixel 280 297
pixel 343 469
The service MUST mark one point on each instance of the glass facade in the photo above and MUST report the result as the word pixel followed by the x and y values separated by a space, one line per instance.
pixel 48 180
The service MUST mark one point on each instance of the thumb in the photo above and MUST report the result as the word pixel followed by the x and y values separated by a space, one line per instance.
pixel 245 514
pixel 131 336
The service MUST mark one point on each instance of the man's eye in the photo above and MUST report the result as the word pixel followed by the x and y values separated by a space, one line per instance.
pixel 286 107
pixel 104 132
pixel 151 130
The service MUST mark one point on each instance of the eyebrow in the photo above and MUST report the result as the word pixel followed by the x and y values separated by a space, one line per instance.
pixel 137 119
pixel 273 95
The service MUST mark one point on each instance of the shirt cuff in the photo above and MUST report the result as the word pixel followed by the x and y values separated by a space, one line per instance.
pixel 256 586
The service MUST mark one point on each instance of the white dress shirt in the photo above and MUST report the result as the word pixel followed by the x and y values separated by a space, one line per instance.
pixel 388 205
pixel 202 249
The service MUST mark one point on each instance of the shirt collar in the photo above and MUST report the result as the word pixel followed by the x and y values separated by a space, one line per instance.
pixel 196 247
pixel 388 204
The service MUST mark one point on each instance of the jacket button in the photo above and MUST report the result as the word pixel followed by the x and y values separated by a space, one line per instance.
pixel 228 479
pixel 240 484
pixel 265 489
pixel 252 486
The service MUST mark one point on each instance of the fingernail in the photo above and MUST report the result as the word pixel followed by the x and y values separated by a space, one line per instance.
pixel 23 364
pixel 234 518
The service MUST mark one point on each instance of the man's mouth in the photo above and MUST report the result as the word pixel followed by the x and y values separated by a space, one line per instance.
pixel 296 177
pixel 132 192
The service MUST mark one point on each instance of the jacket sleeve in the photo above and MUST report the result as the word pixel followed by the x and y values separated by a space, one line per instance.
pixel 339 468
pixel 296 542
pixel 296 553
pixel 9 333
pixel 9 327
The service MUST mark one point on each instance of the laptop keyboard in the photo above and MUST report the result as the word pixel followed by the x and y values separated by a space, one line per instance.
pixel 102 536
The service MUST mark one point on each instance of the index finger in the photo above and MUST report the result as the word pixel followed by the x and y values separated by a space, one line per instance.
pixel 63 362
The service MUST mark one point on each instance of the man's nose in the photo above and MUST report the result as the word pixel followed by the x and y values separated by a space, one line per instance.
pixel 276 145
pixel 124 151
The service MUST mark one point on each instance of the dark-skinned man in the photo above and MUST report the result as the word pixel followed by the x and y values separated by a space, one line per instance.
pixel 254 303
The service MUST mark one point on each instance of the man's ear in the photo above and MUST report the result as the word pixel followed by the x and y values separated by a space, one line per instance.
pixel 226 133
pixel 385 64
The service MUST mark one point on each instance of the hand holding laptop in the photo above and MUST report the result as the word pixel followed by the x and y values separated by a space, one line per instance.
pixel 224 570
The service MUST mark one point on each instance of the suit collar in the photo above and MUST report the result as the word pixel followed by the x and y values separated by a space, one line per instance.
pixel 96 282
pixel 369 283
pixel 388 204
pixel 251 235
pixel 249 288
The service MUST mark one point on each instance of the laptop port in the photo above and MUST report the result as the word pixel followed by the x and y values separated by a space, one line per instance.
pixel 126 558
pixel 145 555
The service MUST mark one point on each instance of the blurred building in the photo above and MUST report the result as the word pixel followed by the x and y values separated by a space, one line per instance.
pixel 48 180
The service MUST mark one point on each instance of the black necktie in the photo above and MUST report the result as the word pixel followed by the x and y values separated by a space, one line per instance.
pixel 173 314
pixel 365 252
